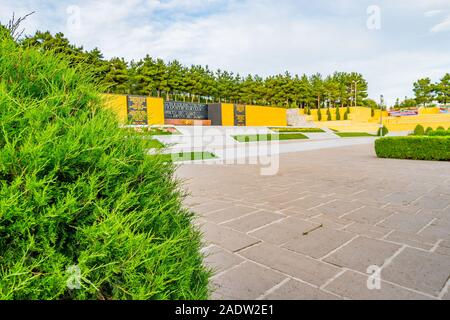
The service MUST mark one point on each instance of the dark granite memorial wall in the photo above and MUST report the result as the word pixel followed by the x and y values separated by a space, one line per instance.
pixel 137 110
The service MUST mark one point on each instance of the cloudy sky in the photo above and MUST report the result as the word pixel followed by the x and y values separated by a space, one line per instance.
pixel 391 42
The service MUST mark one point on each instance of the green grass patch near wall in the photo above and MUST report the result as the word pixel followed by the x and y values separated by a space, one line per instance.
pixel 354 134
pixel 153 144
pixel 78 197
pixel 187 156
pixel 294 130
pixel 269 137
pixel 163 131
pixel 152 131
pixel 414 147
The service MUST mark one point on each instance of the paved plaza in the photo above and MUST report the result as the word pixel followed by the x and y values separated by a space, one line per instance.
pixel 323 225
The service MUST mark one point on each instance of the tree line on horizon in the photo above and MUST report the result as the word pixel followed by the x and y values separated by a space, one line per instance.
pixel 174 81
pixel 428 93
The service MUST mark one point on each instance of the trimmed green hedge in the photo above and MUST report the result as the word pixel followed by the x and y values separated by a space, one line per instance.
pixel 414 147
pixel 439 133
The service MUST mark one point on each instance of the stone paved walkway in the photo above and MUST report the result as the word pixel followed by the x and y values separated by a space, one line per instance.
pixel 312 230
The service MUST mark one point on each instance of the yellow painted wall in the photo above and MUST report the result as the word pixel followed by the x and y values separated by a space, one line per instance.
pixel 434 110
pixel 360 114
pixel 155 111
pixel 408 123
pixel 265 116
pixel 227 114
pixel 118 104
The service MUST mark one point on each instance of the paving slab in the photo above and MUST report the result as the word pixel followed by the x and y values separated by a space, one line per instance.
pixel 291 263
pixel 247 281
pixel 406 222
pixel 296 290
pixel 411 239
pixel 219 259
pixel 337 208
pixel 283 231
pixel 225 237
pixel 253 221
pixel 371 215
pixel 416 269
pixel 362 253
pixel 310 230
pixel 352 285
pixel 318 243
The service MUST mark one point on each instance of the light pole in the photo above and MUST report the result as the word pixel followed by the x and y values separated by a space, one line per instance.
pixel 381 114
pixel 356 89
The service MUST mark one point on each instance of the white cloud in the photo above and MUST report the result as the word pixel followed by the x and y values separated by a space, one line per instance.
pixel 263 37
pixel 433 13
pixel 443 26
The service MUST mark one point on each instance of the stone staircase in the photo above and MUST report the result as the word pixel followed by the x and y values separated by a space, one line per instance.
pixel 294 119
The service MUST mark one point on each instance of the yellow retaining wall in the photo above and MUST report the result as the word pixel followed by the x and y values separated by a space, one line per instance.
pixel 118 104
pixel 408 123
pixel 227 114
pixel 434 110
pixel 265 116
pixel 155 111
pixel 360 114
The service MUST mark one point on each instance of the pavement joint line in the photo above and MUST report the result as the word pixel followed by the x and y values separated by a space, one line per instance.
pixel 240 217
pixel 345 227
pixel 417 199
pixel 320 205
pixel 436 245
pixel 407 245
pixel 387 234
pixel 383 220
pixel 275 287
pixel 281 272
pixel 385 205
pixel 247 247
pixel 337 275
pixel 351 211
pixel 316 216
pixel 266 225
pixel 338 248
pixel 228 269
pixel 445 289
pixel 389 260
pixel 426 226
pixel 202 250
pixel 357 192
pixel 398 285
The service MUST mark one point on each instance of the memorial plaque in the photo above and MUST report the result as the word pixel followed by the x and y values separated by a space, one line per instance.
pixel 137 109
pixel 185 110
pixel 239 115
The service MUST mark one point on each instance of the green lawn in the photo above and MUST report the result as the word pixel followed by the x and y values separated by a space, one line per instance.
pixel 145 132
pixel 354 134
pixel 162 132
pixel 186 156
pixel 269 137
pixel 153 144
pixel 293 130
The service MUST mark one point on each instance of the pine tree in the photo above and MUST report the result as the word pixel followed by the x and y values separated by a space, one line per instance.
pixel 423 90
pixel 117 77
pixel 338 113
pixel 328 114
